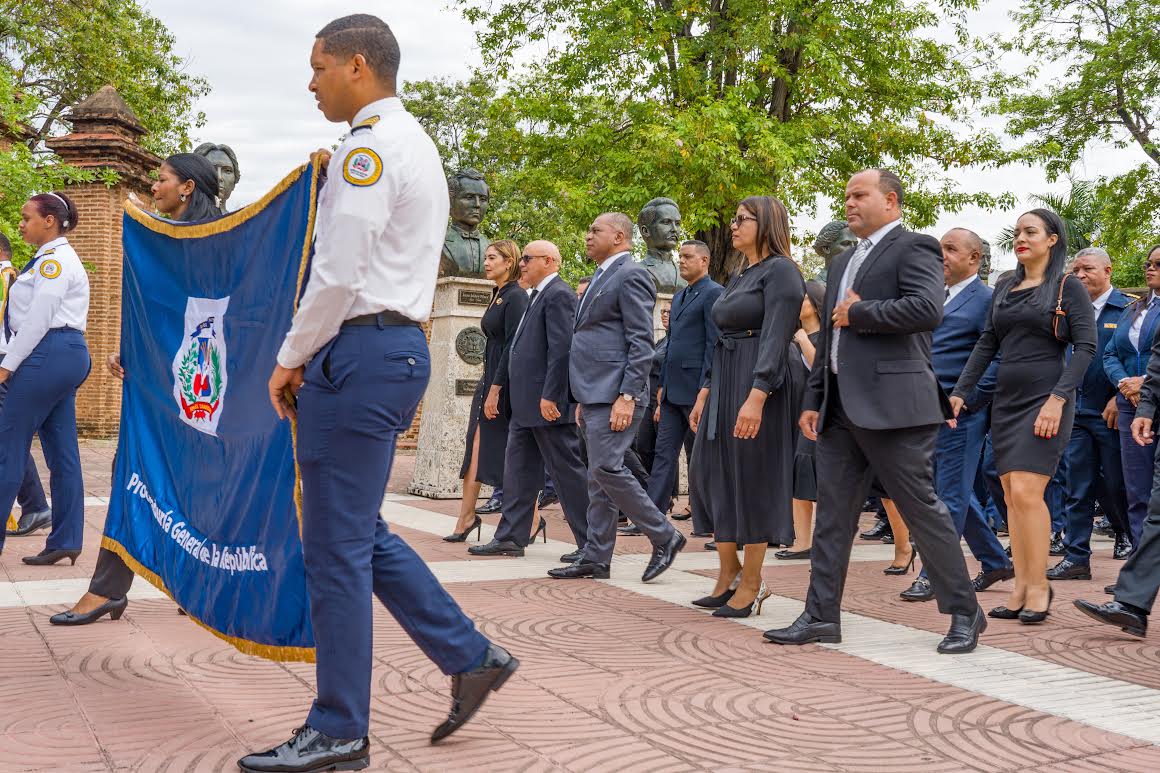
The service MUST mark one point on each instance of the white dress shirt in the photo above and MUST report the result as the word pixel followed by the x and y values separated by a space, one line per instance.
pixel 1138 323
pixel 537 289
pixel 1102 301
pixel 847 282
pixel 52 291
pixel 382 219
pixel 958 287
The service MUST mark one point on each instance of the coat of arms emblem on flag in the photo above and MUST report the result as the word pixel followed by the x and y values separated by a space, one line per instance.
pixel 199 367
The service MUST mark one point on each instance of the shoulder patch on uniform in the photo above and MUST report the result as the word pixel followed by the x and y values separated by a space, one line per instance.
pixel 50 269
pixel 363 167
pixel 46 253
pixel 368 123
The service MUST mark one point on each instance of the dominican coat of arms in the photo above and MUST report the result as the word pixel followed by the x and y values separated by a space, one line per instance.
pixel 199 367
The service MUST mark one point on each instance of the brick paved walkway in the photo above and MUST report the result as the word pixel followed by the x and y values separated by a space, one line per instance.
pixel 616 676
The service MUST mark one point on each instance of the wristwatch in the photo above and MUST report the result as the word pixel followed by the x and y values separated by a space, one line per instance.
pixel 626 396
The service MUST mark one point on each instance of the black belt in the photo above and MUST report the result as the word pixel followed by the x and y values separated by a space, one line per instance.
pixel 727 341
pixel 386 318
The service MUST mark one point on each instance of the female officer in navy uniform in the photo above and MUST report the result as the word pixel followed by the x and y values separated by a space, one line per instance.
pixel 45 360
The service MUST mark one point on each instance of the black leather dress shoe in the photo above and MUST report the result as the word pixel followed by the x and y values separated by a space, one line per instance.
pixel 888 538
pixel 632 530
pixel 700 534
pixel 963 635
pixel 663 556
pixel 489 507
pixel 1057 547
pixel 570 558
pixel 681 516
pixel 547 499
pixel 710 546
pixel 30 522
pixel 114 608
pixel 310 750
pixel 792 555
pixel 1110 589
pixel 496 548
pixel 919 590
pixel 1102 525
pixel 48 557
pixel 984 580
pixel 1117 614
pixel 580 570
pixel 876 532
pixel 1069 570
pixel 470 689
pixel 1123 547
pixel 806 630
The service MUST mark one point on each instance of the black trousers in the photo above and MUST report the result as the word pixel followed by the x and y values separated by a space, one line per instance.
pixel 529 451
pixel 112 577
pixel 848 458
pixel 1140 576
pixel 673 433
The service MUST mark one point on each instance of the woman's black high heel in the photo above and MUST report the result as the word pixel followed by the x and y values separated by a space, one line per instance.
pixel 1002 613
pixel 1030 616
pixel 541 529
pixel 715 602
pixel 897 570
pixel 48 557
pixel 114 608
pixel 476 526
pixel 753 609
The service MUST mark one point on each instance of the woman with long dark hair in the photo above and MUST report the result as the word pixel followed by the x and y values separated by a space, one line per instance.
pixel 743 456
pixel 1035 315
pixel 186 190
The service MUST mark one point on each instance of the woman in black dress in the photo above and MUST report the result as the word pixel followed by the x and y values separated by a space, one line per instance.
pixel 1034 316
pixel 743 457
pixel 487 430
pixel 805 480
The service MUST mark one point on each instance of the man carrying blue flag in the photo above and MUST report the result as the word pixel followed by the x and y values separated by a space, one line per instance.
pixel 357 362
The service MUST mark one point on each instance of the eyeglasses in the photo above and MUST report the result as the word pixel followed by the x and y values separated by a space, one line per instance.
pixel 1151 264
pixel 530 258
pixel 738 221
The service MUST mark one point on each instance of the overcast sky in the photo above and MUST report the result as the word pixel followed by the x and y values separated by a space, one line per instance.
pixel 255 56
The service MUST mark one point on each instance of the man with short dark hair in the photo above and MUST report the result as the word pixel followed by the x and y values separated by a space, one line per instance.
pixel 352 368
pixel 34 511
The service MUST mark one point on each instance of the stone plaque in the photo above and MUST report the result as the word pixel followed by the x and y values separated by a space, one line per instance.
pixel 470 345
pixel 474 298
pixel 465 387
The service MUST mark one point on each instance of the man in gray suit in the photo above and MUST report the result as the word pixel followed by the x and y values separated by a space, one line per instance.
pixel 608 372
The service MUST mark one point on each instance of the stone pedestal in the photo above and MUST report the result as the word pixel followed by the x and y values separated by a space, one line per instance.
pixel 457 345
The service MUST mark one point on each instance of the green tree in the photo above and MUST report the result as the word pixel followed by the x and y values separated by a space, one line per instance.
pixel 1081 210
pixel 1101 59
pixel 707 101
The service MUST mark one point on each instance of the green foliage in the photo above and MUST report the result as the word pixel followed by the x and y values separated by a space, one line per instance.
pixel 706 101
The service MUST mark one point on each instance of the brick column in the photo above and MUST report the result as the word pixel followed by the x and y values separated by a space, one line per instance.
pixel 106 136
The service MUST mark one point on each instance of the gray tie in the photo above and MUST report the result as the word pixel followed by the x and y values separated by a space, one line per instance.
pixel 847 282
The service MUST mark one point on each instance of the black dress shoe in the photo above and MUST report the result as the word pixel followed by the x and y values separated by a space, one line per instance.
pixel 877 531
pixel 1123 547
pixel 30 522
pixel 1030 616
pixel 1069 570
pixel 461 536
pixel 710 546
pixel 570 558
pixel 496 548
pixel 470 689
pixel 963 635
pixel 48 557
pixel 1057 547
pixel 806 630
pixel 984 580
pixel 310 750
pixel 663 556
pixel 792 555
pixel 700 534
pixel 1103 526
pixel 547 499
pixel 580 570
pixel 1110 589
pixel 632 530
pixel 919 590
pixel 681 516
pixel 489 507
pixel 1114 613
pixel 888 538
pixel 114 608
pixel 1002 613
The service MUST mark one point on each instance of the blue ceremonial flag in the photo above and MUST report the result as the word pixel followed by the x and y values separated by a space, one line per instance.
pixel 205 496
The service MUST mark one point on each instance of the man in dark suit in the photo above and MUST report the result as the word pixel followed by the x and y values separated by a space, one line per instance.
pixel 1135 589
pixel 542 429
pixel 1094 468
pixel 692 336
pixel 874 404
pixel 959 449
pixel 612 347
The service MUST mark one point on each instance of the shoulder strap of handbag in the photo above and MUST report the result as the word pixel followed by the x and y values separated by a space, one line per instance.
pixel 1059 312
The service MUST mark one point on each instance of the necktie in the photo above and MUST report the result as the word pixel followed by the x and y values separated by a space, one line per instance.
pixel 589 292
pixel 9 279
pixel 531 300
pixel 847 282
pixel 1149 327
pixel 946 296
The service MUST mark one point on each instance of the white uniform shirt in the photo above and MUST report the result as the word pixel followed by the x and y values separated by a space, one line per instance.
pixel 52 291
pixel 382 218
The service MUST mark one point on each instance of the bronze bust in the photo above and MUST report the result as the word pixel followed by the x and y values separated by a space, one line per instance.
pixel 985 261
pixel 225 161
pixel 660 227
pixel 464 246
pixel 834 239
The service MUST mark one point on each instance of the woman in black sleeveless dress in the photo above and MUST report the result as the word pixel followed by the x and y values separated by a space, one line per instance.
pixel 1035 315
pixel 487 429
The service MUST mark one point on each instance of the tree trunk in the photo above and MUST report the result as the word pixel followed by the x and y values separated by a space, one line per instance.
pixel 725 259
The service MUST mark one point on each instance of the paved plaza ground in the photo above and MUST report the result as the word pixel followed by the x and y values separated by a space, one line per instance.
pixel 616 676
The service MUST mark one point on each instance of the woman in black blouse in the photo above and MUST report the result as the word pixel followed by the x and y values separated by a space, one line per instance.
pixel 488 428
pixel 745 420
pixel 1034 316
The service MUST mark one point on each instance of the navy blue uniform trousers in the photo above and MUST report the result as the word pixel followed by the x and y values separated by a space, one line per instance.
pixel 1136 462
pixel 41 400
pixel 30 497
pixel 1094 470
pixel 361 390
pixel 672 434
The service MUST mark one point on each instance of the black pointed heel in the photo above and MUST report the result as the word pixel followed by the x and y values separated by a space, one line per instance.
pixel 48 557
pixel 541 529
pixel 753 609
pixel 1031 617
pixel 715 602
pixel 461 536
pixel 899 570
pixel 114 608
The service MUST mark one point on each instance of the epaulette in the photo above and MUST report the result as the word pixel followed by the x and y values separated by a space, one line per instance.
pixel 368 123
pixel 1131 296
pixel 46 253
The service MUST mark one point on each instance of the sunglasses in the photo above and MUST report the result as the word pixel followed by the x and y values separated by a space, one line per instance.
pixel 530 258
pixel 1151 264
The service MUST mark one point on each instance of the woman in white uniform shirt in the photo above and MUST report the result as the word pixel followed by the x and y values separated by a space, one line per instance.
pixel 45 360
